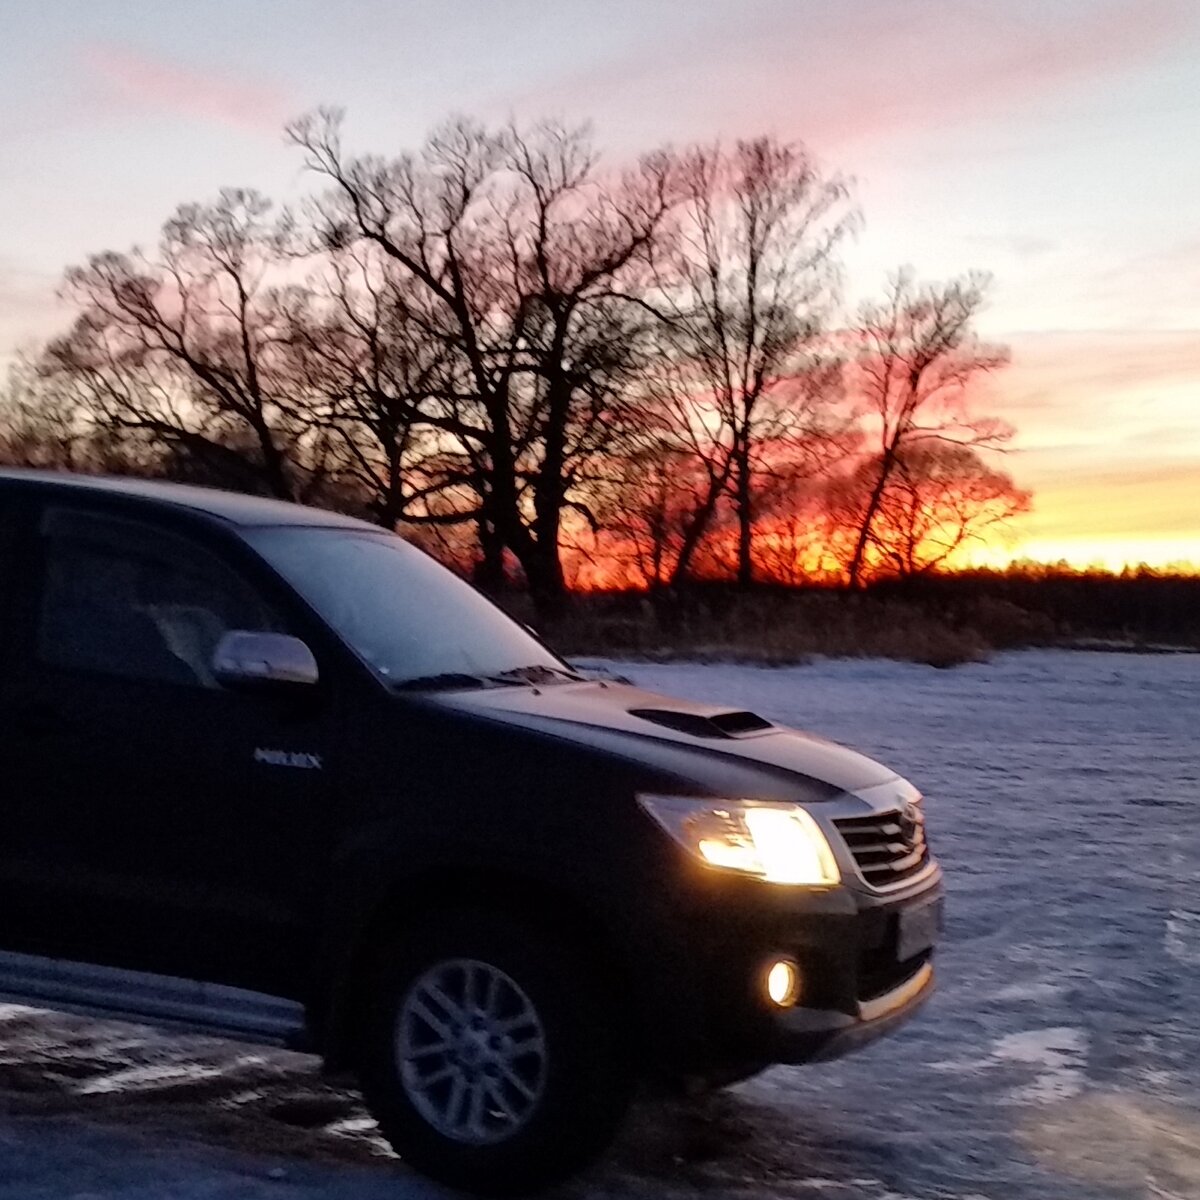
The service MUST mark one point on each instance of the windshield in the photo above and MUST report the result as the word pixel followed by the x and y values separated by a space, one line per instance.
pixel 405 614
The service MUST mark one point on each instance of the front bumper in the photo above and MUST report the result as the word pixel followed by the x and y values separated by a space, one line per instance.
pixel 855 988
pixel 816 1035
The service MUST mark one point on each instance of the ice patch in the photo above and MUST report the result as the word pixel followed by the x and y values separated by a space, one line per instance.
pixel 137 1079
pixel 1182 937
pixel 910 1196
pixel 1030 991
pixel 353 1125
pixel 14 1012
pixel 962 1066
pixel 1134 1145
pixel 1060 1052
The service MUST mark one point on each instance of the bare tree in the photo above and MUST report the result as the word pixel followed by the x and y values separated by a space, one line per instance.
pixel 916 359
pixel 515 353
pixel 529 257
pixel 748 382
pixel 792 542
pixel 645 507
pixel 939 498
pixel 40 427
pixel 179 349
pixel 360 347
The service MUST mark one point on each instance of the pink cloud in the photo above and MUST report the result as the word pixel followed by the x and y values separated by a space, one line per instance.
pixel 132 79
pixel 944 63
pixel 862 71
pixel 1139 373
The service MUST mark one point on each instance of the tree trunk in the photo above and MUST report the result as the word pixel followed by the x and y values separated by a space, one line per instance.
pixel 547 583
pixel 692 538
pixel 274 462
pixel 745 511
pixel 489 566
pixel 864 531
pixel 547 587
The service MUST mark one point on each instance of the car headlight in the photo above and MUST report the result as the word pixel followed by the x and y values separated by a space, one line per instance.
pixel 780 843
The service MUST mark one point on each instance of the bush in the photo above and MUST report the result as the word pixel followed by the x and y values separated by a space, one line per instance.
pixel 942 620
pixel 769 628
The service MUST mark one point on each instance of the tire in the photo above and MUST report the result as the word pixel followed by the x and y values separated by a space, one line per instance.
pixel 465 1106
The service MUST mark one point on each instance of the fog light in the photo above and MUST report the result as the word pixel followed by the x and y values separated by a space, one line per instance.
pixel 783 982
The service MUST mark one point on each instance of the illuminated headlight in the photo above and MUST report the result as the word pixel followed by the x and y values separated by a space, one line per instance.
pixel 780 843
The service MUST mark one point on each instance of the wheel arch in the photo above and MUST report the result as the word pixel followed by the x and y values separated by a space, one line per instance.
pixel 404 902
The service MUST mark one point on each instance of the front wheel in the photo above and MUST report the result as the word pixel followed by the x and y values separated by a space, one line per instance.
pixel 492 1054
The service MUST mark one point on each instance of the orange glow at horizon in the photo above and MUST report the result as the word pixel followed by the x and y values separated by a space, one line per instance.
pixel 1107 442
pixel 1051 535
pixel 1109 554
pixel 1106 517
pixel 610 573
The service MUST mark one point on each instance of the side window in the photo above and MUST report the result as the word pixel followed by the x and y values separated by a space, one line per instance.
pixel 124 599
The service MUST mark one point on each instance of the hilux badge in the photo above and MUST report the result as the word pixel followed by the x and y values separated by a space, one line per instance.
pixel 287 758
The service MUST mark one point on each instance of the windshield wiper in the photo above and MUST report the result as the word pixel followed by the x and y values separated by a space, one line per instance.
pixel 537 673
pixel 449 681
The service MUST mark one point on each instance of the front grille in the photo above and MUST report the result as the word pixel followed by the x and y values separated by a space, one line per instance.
pixel 888 847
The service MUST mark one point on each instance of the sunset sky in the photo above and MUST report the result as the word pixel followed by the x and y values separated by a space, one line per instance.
pixel 1054 144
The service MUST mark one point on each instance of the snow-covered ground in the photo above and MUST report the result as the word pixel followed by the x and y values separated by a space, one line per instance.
pixel 1060 1060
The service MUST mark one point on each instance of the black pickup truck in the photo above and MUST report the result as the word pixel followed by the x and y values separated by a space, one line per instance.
pixel 274 773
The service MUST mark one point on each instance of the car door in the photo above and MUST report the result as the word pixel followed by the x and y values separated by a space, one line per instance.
pixel 159 821
pixel 15 590
pixel 9 574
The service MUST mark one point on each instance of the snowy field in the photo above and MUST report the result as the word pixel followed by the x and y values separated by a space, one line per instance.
pixel 1059 1061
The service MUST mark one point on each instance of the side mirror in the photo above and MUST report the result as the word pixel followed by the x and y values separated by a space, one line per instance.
pixel 245 659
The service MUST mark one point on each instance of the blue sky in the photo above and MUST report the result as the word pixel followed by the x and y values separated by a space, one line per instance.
pixel 1055 144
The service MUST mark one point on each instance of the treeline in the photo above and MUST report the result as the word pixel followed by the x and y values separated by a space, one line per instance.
pixel 549 371
pixel 1040 604
pixel 944 618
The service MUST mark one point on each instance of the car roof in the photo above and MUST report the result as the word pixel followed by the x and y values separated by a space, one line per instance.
pixel 230 507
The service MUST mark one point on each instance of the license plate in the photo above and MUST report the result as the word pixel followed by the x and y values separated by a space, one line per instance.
pixel 919 928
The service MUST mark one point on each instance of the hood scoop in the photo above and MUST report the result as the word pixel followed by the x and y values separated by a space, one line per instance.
pixel 714 725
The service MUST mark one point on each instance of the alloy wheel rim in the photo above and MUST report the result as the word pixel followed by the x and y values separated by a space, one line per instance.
pixel 471 1051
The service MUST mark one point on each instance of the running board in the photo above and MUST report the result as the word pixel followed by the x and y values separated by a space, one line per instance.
pixel 183 1005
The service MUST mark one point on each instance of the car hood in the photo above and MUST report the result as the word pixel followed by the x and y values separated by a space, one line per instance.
pixel 685 738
